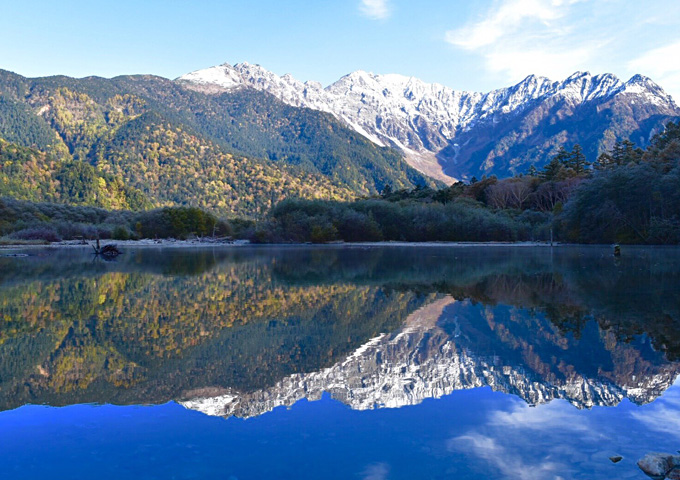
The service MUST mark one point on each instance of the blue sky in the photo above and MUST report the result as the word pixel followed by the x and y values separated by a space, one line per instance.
pixel 467 45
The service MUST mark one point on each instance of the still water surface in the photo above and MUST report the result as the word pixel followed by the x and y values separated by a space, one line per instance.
pixel 338 362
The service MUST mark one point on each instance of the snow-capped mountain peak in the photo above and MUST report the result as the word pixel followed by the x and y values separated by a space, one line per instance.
pixel 423 118
pixel 220 77
pixel 648 90
pixel 422 361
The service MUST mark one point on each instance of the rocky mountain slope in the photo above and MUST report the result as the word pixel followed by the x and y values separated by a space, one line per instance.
pixel 442 348
pixel 450 134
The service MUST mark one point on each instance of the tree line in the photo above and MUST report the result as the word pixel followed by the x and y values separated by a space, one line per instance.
pixel 627 195
pixel 53 222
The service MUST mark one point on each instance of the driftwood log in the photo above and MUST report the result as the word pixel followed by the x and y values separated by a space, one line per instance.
pixel 110 250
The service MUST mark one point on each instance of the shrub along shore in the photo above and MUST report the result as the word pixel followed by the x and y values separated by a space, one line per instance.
pixel 628 195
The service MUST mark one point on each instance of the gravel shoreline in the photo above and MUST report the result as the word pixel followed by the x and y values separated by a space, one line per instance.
pixel 237 243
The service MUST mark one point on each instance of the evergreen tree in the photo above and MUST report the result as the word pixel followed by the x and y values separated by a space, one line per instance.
pixel 618 154
pixel 604 162
pixel 631 154
pixel 386 191
pixel 576 161
pixel 553 170
pixel 562 156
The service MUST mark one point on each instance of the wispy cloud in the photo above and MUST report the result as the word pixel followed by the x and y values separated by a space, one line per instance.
pixel 658 61
pixel 527 443
pixel 555 440
pixel 551 415
pixel 662 416
pixel 509 463
pixel 518 63
pixel 375 471
pixel 519 37
pixel 375 9
pixel 509 18
pixel 555 38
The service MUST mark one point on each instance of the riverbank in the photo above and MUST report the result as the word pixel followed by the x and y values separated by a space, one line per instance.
pixel 127 243
pixel 172 243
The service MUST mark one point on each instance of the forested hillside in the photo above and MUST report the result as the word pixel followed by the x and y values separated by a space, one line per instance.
pixel 633 197
pixel 30 174
pixel 627 195
pixel 143 141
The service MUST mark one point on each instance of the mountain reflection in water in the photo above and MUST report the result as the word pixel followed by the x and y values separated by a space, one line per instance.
pixel 241 331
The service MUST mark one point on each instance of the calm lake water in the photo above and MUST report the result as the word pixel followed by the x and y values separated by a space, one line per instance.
pixel 338 362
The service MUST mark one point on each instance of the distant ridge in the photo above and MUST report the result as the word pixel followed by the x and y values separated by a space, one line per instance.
pixel 451 134
pixel 423 361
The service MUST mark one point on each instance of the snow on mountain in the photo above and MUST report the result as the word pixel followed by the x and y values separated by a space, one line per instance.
pixel 650 92
pixel 423 361
pixel 421 118
pixel 220 76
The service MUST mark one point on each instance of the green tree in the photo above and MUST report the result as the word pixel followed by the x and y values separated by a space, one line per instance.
pixel 553 170
pixel 577 161
pixel 618 153
pixel 631 154
pixel 604 162
pixel 562 156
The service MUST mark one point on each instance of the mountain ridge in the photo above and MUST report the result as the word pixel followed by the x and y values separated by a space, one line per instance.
pixel 432 356
pixel 424 120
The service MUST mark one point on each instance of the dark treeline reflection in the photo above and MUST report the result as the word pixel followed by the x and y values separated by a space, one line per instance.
pixel 637 293
pixel 56 263
pixel 157 323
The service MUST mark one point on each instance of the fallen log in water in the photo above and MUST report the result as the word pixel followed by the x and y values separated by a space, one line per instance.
pixel 110 250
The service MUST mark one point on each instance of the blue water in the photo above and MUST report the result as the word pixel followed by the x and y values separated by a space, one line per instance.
pixel 155 328
pixel 469 434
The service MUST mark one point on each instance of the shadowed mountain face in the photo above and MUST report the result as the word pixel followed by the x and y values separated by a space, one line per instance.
pixel 241 331
pixel 451 134
pixel 447 346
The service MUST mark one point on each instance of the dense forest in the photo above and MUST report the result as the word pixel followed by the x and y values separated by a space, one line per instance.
pixel 118 156
pixel 52 222
pixel 141 142
pixel 140 157
pixel 627 195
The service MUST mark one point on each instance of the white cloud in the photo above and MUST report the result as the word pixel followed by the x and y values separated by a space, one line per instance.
pixel 659 61
pixel 555 440
pixel 518 63
pixel 662 416
pixel 375 9
pixel 529 443
pixel 555 38
pixel 509 463
pixel 553 414
pixel 521 37
pixel 507 19
pixel 376 471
